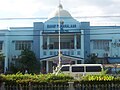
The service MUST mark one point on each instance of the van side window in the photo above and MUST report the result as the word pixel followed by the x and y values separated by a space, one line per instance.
pixel 93 69
pixel 77 69
pixel 65 68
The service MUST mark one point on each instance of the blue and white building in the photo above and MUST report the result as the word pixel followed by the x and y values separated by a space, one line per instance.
pixel 78 40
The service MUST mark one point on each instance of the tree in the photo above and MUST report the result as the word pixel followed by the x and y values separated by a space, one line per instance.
pixel 28 61
pixel 92 59
pixel 2 57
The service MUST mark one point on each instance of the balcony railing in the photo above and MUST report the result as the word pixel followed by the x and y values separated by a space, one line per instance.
pixel 71 52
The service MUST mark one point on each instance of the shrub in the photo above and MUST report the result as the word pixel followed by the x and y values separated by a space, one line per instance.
pixel 98 78
pixel 20 78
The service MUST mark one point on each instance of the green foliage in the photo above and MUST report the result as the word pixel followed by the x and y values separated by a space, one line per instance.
pixel 28 61
pixel 104 72
pixel 20 78
pixel 51 79
pixel 2 57
pixel 98 78
pixel 92 59
pixel 59 77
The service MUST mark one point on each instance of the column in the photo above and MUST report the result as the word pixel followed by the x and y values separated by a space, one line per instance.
pixel 82 45
pixel 75 41
pixel 75 45
pixel 6 52
pixel 47 67
pixel 48 42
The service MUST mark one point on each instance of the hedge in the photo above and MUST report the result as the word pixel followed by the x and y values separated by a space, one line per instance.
pixel 20 78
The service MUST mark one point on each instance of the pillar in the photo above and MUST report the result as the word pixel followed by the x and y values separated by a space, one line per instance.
pixel 75 41
pixel 47 66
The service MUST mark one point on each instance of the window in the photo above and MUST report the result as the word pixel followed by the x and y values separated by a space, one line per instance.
pixel 44 53
pixel 78 41
pixel 64 45
pixel 78 52
pixel 100 44
pixel 44 42
pixel 22 45
pixel 51 52
pixel 65 68
pixel 93 69
pixel 72 52
pixel 1 45
pixel 78 61
pixel 66 42
pixel 78 69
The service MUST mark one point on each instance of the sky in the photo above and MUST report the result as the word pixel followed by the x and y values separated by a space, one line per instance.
pixel 43 8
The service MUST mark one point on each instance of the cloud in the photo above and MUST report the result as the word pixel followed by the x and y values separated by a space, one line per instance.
pixel 43 8
pixel 35 8
pixel 24 8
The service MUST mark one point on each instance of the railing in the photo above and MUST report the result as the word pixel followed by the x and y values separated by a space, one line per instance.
pixel 33 87
pixel 72 52
pixel 110 86
pixel 69 86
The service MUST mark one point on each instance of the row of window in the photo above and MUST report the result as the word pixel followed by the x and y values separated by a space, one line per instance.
pixel 67 42
pixel 63 45
pixel 22 45
pixel 1 45
pixel 100 44
pixel 81 68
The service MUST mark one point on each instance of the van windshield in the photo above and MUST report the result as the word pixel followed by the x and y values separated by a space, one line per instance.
pixel 65 68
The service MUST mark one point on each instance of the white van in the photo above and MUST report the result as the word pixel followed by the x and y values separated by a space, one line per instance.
pixel 77 70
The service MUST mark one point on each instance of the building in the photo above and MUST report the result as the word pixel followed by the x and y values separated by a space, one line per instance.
pixel 77 40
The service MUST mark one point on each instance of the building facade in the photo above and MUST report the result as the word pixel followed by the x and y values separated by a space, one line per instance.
pixel 77 40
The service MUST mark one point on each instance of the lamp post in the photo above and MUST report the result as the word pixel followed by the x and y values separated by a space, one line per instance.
pixel 60 23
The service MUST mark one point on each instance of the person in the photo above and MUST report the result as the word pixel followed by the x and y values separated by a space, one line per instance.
pixel 26 71
pixel 43 70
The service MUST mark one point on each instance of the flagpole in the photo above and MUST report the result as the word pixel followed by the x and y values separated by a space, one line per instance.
pixel 59 52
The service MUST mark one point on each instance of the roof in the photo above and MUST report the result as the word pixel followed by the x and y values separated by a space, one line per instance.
pixel 60 12
pixel 64 58
pixel 114 60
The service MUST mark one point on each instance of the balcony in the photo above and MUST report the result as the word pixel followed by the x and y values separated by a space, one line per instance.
pixel 69 52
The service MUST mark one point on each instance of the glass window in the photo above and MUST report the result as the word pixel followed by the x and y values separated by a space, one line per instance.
pixel 93 69
pixel 22 45
pixel 72 52
pixel 66 42
pixel 78 61
pixel 44 42
pixel 78 52
pixel 78 69
pixel 78 41
pixel 44 53
pixel 51 52
pixel 65 68
pixel 100 44
pixel 1 45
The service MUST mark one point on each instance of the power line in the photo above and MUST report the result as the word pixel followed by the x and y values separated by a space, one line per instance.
pixel 33 18
pixel 97 28
pixel 63 34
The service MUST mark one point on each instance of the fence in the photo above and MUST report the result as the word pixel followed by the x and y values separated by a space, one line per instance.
pixel 34 87
pixel 110 86
pixel 70 86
